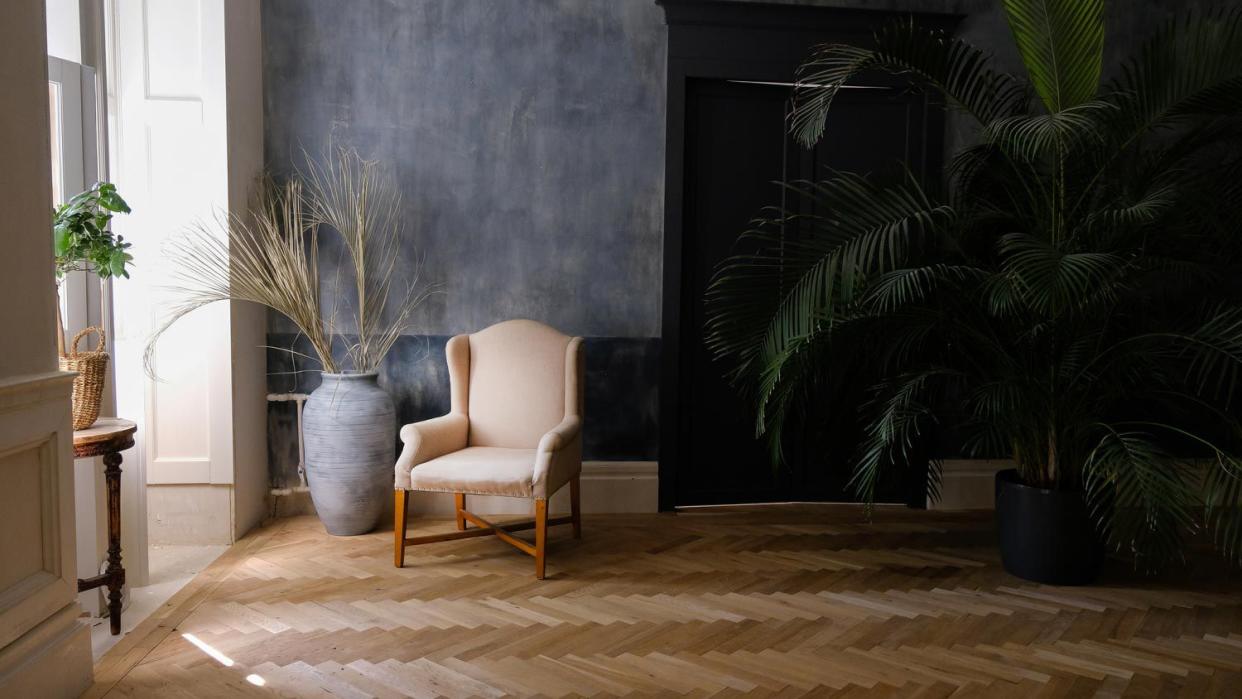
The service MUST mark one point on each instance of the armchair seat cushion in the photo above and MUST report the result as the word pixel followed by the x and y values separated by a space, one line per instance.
pixel 478 471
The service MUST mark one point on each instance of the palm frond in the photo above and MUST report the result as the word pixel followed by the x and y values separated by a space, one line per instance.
pixel 354 197
pixel 1109 222
pixel 872 230
pixel 911 285
pixel 1008 417
pixel 1191 67
pixel 958 70
pixel 1223 505
pixel 894 433
pixel 1213 351
pixel 1062 45
pixel 791 281
pixel 270 258
pixel 898 221
pixel 1032 136
pixel 1221 474
pixel 1139 497
pixel 1048 280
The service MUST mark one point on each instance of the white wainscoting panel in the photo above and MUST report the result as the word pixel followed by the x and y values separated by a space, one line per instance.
pixel 38 575
pixel 192 514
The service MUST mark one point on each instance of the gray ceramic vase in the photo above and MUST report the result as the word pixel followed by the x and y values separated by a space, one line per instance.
pixel 350 429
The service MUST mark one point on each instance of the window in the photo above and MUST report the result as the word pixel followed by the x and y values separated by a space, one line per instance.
pixel 71 105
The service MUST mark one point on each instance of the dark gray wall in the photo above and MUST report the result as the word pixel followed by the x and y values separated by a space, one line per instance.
pixel 528 140
pixel 527 137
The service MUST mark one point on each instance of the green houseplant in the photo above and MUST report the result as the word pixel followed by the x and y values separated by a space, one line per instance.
pixel 1067 297
pixel 82 242
pixel 81 238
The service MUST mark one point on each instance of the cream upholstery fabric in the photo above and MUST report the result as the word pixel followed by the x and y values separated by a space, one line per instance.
pixel 515 419
pixel 436 437
pixel 478 470
pixel 517 384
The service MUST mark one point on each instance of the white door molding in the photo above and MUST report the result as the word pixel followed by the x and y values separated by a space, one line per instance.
pixel 188 152
pixel 170 164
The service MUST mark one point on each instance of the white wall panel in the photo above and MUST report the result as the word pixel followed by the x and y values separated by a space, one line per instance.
pixel 38 575
pixel 26 543
pixel 170 163
pixel 173 37
pixel 189 147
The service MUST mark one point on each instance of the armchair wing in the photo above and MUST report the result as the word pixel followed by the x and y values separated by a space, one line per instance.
pixel 427 440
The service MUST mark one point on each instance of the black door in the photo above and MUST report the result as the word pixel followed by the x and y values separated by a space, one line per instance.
pixel 737 149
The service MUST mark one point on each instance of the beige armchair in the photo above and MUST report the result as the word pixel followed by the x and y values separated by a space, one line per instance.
pixel 514 428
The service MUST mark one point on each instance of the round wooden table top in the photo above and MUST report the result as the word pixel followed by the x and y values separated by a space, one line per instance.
pixel 108 434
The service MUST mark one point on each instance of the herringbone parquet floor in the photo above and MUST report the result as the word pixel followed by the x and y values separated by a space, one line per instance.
pixel 786 602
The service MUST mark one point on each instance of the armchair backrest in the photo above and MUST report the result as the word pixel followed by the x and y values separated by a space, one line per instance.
pixel 515 380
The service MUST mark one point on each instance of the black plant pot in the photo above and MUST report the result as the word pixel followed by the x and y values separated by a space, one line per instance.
pixel 1046 536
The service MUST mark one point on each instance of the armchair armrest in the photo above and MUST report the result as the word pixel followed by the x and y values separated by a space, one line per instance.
pixel 559 456
pixel 560 436
pixel 429 439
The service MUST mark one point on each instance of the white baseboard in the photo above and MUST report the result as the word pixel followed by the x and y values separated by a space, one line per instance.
pixel 607 487
pixel 51 660
pixel 198 514
pixel 968 484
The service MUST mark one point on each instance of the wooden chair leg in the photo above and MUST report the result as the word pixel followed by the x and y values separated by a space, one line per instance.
pixel 541 536
pixel 399 511
pixel 460 504
pixel 575 505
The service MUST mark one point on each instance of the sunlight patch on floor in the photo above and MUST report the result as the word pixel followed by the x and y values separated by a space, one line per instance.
pixel 171 568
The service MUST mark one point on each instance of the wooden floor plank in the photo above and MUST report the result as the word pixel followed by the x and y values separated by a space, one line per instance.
pixel 773 602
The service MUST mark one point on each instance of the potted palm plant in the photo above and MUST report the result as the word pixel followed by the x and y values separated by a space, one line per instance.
pixel 271 257
pixel 1067 297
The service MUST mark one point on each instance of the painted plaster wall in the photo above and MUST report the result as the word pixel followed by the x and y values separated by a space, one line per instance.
pixel 528 140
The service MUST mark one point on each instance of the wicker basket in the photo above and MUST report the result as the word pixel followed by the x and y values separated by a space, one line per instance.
pixel 88 385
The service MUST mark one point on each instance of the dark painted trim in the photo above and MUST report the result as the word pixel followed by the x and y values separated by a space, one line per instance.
pixel 737 41
pixel 843 23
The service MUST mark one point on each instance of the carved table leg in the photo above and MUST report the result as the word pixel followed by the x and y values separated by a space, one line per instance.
pixel 114 571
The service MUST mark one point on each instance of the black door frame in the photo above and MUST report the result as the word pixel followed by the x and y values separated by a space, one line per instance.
pixel 728 40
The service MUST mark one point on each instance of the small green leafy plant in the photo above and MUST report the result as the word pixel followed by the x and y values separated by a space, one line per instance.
pixel 82 238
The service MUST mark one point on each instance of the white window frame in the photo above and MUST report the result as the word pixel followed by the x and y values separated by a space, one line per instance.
pixel 77 169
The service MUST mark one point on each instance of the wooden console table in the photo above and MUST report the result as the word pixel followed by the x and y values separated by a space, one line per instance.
pixel 108 437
